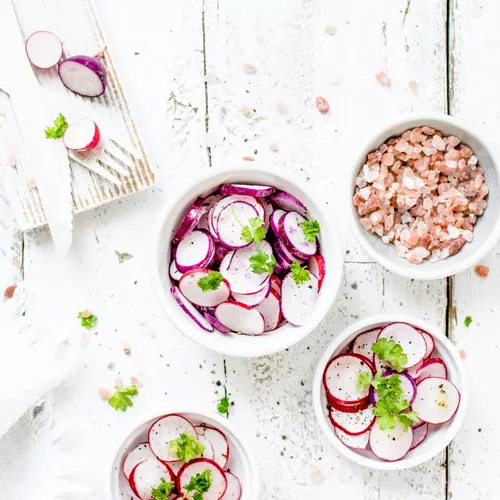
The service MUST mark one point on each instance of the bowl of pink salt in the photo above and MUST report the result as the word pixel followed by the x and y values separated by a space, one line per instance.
pixel 424 197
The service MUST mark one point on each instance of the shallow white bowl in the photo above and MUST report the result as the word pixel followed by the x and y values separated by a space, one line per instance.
pixel 439 436
pixel 330 244
pixel 487 228
pixel 241 460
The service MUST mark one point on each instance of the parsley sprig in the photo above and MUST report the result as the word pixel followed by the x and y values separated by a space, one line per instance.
pixel 311 230
pixel 211 281
pixel 299 274
pixel 186 447
pixel 262 262
pixel 57 131
pixel 163 490
pixel 199 484
pixel 388 350
pixel 223 406
pixel 89 320
pixel 121 399
pixel 253 231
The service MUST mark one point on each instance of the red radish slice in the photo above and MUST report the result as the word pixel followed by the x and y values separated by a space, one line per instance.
pixel 140 453
pixel 287 202
pixel 276 283
pixel 208 452
pixel 216 323
pixel 282 262
pixel 44 49
pixel 359 442
pixel 271 311
pixel 340 377
pixel 437 400
pixel 211 200
pixel 287 255
pixel 316 265
pixel 434 367
pixel 348 407
pixel 240 318
pixel 391 444
pixel 417 424
pixel 247 190
pixel 165 429
pixel 352 423
pixel 274 220
pixel 219 443
pixel 147 475
pixel 195 250
pixel 84 75
pixel 233 491
pixel 407 384
pixel 409 338
pixel 226 261
pixel 298 301
pixel 175 274
pixel 293 237
pixel 189 221
pixel 429 342
pixel 419 434
pixel 197 466
pixel 82 135
pixel 190 310
pixel 231 221
pixel 411 371
pixel 176 466
pixel 254 299
pixel 364 341
pixel 188 285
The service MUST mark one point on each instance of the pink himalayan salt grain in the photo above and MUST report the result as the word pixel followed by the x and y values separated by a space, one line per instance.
pixel 482 271
pixel 330 29
pixel 322 105
pixel 383 79
pixel 317 476
pixel 104 393
pixel 250 68
pixel 412 85
pixel 135 381
pixel 111 365
pixel 244 110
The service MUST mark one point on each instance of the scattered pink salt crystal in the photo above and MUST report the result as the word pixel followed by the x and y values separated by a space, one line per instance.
pixel 127 350
pixel 317 476
pixel 438 143
pixel 119 381
pixel 104 393
pixel 12 160
pixel 428 130
pixel 330 29
pixel 244 110
pixel 248 158
pixel 211 77
pixel 322 105
pixel 280 107
pixel 462 353
pixel 111 365
pixel 135 381
pixel 250 68
pixel 412 85
pixel 223 109
pixel 482 271
pixel 383 78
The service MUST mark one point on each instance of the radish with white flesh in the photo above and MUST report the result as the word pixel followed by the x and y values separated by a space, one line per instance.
pixel 349 407
pixel 44 49
pixel 364 341
pixel 240 318
pixel 190 288
pixel 226 261
pixel 274 220
pixel 219 443
pixel 271 311
pixel 316 265
pixel 419 434
pixel 190 310
pixel 281 260
pixel 140 453
pixel 293 237
pixel 247 190
pixel 147 475
pixel 233 491
pixel 231 221
pixel 429 342
pixel 253 299
pixel 195 250
pixel 408 386
pixel 208 452
pixel 417 424
pixel 197 466
pixel 409 338
pixel 298 301
pixel 268 210
pixel 391 444
pixel 287 202
pixel 437 400
pixel 411 371
pixel 165 429
pixel 84 75
pixel 216 323
pixel 352 423
pixel 203 223
pixel 287 255
pixel 189 221
pixel 434 367
pixel 211 200
pixel 175 274
pixel 228 200
pixel 82 135
pixel 340 378
pixel 359 442
pixel 275 283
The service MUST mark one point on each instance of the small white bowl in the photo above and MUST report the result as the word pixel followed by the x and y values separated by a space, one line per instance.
pixel 487 228
pixel 241 460
pixel 438 438
pixel 331 249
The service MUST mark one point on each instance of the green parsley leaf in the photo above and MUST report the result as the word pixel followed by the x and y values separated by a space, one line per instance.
pixel 200 483
pixel 89 320
pixel 254 231
pixel 407 419
pixel 186 447
pixel 300 274
pixel 310 229
pixel 211 281
pixel 389 350
pixel 467 321
pixel 262 262
pixel 57 131
pixel 364 380
pixel 223 406
pixel 163 490
pixel 121 399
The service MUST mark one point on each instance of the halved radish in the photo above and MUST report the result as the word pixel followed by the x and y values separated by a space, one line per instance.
pixel 147 475
pixel 409 338
pixel 189 221
pixel 434 367
pixel 408 386
pixel 197 466
pixel 359 442
pixel 231 221
pixel 419 434
pixel 233 491
pixel 254 299
pixel 165 429
pixel 293 237
pixel 84 75
pixel 274 220
pixel 352 423
pixel 429 342
pixel 140 453
pixel 82 135
pixel 190 310
pixel 364 341
pixel 175 274
pixel 298 301
pixel 240 318
pixel 44 49
pixel 271 311
pixel 247 190
pixel 189 287
pixel 437 400
pixel 276 283
pixel 391 444
pixel 195 250
pixel 316 265
pixel 287 202
pixel 219 443
pixel 216 323
pixel 348 407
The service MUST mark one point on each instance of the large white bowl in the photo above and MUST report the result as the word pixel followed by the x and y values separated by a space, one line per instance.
pixel 330 244
pixel 487 228
pixel 439 436
pixel 241 461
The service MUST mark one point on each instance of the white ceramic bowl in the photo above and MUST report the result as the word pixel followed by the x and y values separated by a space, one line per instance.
pixel 439 436
pixel 241 461
pixel 487 228
pixel 331 248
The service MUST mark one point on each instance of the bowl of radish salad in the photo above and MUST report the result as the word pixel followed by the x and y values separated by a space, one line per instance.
pixel 390 392
pixel 184 455
pixel 247 261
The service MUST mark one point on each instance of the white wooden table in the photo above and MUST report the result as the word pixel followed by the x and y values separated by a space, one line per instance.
pixel 165 51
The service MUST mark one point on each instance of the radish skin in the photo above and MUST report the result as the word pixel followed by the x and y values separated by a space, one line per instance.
pixel 82 135
pixel 84 75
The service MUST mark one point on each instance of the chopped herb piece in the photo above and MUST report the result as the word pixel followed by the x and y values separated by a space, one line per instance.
pixel 211 281
pixel 186 447
pixel 254 231
pixel 121 399
pixel 467 321
pixel 199 484
pixel 389 350
pixel 364 380
pixel 57 131
pixel 310 229
pixel 89 320
pixel 223 406
pixel 262 262
pixel 163 490
pixel 300 274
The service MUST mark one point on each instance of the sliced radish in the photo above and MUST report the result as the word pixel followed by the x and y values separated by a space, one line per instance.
pixel 254 299
pixel 340 377
pixel 287 202
pixel 282 263
pixel 147 475
pixel 276 283
pixel 293 237
pixel 412 371
pixel 195 250
pixel 271 311
pixel 165 429
pixel 140 453
pixel 203 223
pixel 268 210
pixel 349 407
pixel 417 424
pixel 233 491
pixel 226 261
pixel 419 434
pixel 82 135
pixel 298 301
pixel 231 221
pixel 190 310
pixel 437 400
pixel 287 255
pixel 216 323
pixel 175 274
pixel 434 367
pixel 220 252
pixel 228 200
pixel 219 443
pixel 197 466
pixel 247 190
pixel 429 342
pixel 359 442
pixel 176 466
pixel 364 341
pixel 84 75
pixel 391 444
pixel 44 49
pixel 274 220
pixel 352 423
pixel 189 221
pixel 188 285
pixel 240 318
pixel 408 386
pixel 316 265
pixel 211 200
pixel 208 452
pixel 409 338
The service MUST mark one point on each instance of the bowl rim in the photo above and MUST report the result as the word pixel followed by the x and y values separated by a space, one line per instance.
pixel 422 272
pixel 364 325
pixel 330 289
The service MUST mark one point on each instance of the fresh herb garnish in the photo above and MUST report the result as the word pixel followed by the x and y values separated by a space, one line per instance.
pixel 89 320
pixel 254 231
pixel 310 229
pixel 467 321
pixel 199 484
pixel 364 380
pixel 163 490
pixel 121 399
pixel 262 262
pixel 57 131
pixel 211 281
pixel 223 406
pixel 390 351
pixel 186 447
pixel 299 274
